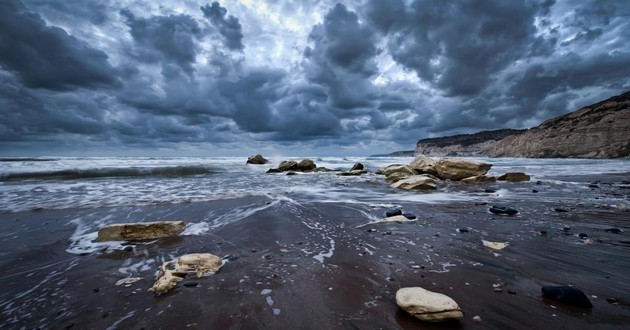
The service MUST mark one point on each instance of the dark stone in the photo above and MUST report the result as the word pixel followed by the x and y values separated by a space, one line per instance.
pixel 567 294
pixel 371 230
pixel 253 250
pixel 191 284
pixel 490 191
pixel 557 209
pixel 462 230
pixel 565 229
pixel 257 160
pixel 503 210
pixel 95 290
pixel 542 233
pixel 230 257
pixel 582 235
pixel 128 249
pixel 291 173
pixel 534 191
pixel 393 213
pixel 613 230
pixel 357 166
pixel 306 165
pixel 387 233
pixel 593 186
pixel 511 291
pixel 409 216
pixel 273 170
pixel 481 203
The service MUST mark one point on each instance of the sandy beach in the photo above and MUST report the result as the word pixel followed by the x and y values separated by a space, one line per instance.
pixel 306 266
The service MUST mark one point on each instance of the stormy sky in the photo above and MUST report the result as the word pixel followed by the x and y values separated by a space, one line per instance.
pixel 237 77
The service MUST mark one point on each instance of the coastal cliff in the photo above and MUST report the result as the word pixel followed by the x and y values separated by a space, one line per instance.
pixel 600 130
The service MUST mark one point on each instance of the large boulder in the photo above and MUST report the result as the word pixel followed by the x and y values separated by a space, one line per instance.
pixel 287 165
pixel 514 177
pixel 257 160
pixel 306 165
pixel 396 176
pixel 357 167
pixel 479 179
pixel 173 271
pixel 423 164
pixel 387 171
pixel 140 230
pixel 416 182
pixel 457 169
pixel 428 306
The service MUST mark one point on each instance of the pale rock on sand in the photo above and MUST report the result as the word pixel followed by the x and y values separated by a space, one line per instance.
pixel 457 169
pixel 495 245
pixel 428 306
pixel 416 182
pixel 140 231
pixel 173 271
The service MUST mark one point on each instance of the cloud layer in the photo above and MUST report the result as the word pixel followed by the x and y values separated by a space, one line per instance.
pixel 350 77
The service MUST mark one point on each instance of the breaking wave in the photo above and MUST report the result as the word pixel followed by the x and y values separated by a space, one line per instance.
pixel 71 174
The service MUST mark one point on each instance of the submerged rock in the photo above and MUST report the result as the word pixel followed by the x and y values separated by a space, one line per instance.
pixel 479 179
pixel 416 182
pixel 514 177
pixel 566 294
pixel 173 271
pixel 140 231
pixel 257 160
pixel 457 169
pixel 428 306
pixel 503 210
pixel 393 212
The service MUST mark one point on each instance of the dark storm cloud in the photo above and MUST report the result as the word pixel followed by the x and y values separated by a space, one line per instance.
pixel 342 58
pixel 228 26
pixel 459 46
pixel 46 56
pixel 164 38
pixel 94 11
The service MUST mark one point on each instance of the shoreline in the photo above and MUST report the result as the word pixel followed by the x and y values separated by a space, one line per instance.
pixel 280 246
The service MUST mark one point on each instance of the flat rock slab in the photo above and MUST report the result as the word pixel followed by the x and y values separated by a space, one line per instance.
pixel 427 305
pixel 140 231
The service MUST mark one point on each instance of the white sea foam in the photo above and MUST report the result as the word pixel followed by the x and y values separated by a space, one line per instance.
pixel 320 257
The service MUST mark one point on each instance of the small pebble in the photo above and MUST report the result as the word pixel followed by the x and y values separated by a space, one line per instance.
pixel 534 191
pixel 477 318
pixel 191 284
pixel 557 209
pixel 409 216
pixel 371 230
pixel 542 233
pixel 613 230
pixel 128 249
pixel 488 190
pixel 253 250
pixel 462 230
pixel 511 292
pixel 582 235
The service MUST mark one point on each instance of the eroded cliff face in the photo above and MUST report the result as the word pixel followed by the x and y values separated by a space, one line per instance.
pixel 465 145
pixel 601 130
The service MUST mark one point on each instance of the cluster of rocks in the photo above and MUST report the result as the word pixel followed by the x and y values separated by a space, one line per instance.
pixel 431 306
pixel 173 271
pixel 292 167
pixel 424 173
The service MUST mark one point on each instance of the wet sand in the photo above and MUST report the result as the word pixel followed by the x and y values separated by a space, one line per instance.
pixel 324 273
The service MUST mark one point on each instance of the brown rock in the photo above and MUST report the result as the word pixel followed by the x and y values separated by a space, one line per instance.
pixel 357 166
pixel 287 165
pixel 306 165
pixel 416 182
pixel 514 177
pixel 457 169
pixel 140 231
pixel 423 164
pixel 479 179
pixel 257 160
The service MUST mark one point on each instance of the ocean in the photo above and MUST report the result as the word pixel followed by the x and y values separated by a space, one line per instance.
pixel 301 247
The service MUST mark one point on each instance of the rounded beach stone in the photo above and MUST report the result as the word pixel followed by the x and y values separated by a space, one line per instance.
pixel 503 210
pixel 393 212
pixel 567 294
pixel 427 305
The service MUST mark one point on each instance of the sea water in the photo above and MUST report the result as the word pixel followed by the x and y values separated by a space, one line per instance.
pixel 89 182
